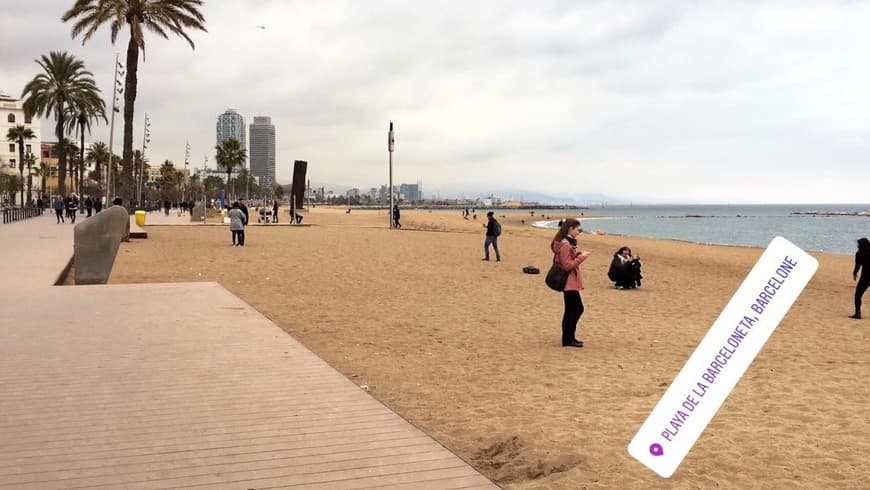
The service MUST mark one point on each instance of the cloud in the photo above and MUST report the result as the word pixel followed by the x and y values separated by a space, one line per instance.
pixel 672 100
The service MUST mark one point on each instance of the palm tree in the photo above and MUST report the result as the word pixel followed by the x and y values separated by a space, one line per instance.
pixel 159 16
pixel 30 160
pixel 98 155
pixel 18 134
pixel 72 154
pixel 140 162
pixel 65 86
pixel 81 121
pixel 44 172
pixel 230 155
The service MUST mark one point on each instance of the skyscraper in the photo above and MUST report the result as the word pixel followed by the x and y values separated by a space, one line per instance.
pixel 231 124
pixel 263 151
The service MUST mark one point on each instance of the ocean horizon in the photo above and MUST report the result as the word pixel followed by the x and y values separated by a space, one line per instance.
pixel 753 225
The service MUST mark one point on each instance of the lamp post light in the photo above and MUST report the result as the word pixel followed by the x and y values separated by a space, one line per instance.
pixel 204 173
pixel 117 90
pixel 184 175
pixel 391 145
pixel 146 138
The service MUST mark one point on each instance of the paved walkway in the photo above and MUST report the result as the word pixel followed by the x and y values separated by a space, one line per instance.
pixel 181 386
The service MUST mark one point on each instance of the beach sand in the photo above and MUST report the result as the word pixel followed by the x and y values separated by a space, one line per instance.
pixel 469 351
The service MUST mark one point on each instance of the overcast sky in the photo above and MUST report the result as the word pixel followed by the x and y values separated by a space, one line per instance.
pixel 668 101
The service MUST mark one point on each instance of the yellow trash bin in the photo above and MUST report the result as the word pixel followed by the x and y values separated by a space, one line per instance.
pixel 140 218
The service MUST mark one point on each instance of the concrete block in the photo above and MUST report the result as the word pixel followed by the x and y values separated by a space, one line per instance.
pixel 96 241
pixel 196 214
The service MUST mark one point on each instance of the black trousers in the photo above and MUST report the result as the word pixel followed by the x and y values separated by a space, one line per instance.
pixel 59 214
pixel 860 289
pixel 239 237
pixel 573 311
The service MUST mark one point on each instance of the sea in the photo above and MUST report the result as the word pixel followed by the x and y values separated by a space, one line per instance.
pixel 743 225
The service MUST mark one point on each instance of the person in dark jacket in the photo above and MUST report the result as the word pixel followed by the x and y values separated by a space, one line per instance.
pixel 89 206
pixel 396 216
pixel 625 269
pixel 274 211
pixel 59 206
pixel 244 209
pixel 862 264
pixel 493 230
pixel 73 208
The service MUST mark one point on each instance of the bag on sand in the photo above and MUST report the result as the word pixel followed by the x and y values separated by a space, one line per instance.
pixel 556 277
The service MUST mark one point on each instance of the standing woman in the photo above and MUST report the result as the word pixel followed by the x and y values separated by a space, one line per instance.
pixel 862 262
pixel 565 255
pixel 237 225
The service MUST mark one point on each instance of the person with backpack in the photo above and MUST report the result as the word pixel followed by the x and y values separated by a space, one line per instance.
pixel 493 231
pixel 566 257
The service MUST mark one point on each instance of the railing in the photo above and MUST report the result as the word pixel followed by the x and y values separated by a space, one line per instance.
pixel 18 214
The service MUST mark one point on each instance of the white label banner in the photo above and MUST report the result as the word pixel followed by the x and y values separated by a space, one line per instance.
pixel 723 355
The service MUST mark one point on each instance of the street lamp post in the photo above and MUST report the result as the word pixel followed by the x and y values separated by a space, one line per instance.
pixel 391 145
pixel 117 90
pixel 146 138
pixel 184 175
pixel 204 173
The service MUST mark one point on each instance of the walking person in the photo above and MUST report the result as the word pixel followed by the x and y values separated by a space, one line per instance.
pixel 274 211
pixel 73 208
pixel 396 216
pixel 89 206
pixel 566 256
pixel 237 225
pixel 862 263
pixel 59 207
pixel 493 231
pixel 98 205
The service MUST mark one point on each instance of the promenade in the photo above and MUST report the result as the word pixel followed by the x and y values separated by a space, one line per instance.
pixel 184 385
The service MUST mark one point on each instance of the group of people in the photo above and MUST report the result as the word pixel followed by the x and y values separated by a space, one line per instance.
pixel 625 272
pixel 68 207
pixel 238 215
pixel 182 206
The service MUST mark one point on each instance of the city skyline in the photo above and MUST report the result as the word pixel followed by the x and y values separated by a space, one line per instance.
pixel 664 102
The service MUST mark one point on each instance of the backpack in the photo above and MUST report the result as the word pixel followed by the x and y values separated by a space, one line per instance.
pixel 497 228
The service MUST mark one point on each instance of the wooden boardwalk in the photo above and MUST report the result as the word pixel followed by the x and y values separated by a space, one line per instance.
pixel 160 386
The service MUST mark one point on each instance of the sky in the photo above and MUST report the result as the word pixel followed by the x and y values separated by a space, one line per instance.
pixel 682 102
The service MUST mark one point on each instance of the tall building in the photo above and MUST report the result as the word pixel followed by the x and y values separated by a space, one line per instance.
pixel 12 115
pixel 262 152
pixel 231 124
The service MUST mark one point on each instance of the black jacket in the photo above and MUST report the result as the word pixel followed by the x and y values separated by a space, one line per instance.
pixel 490 227
pixel 244 211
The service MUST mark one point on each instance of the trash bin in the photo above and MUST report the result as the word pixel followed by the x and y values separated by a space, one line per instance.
pixel 140 218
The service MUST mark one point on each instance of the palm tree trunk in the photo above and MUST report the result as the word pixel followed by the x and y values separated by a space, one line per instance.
pixel 82 160
pixel 61 157
pixel 21 168
pixel 29 182
pixel 44 175
pixel 129 101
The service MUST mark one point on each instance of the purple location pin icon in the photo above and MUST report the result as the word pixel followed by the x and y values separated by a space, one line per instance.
pixel 656 449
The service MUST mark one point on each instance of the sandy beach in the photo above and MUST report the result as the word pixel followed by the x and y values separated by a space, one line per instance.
pixel 469 351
